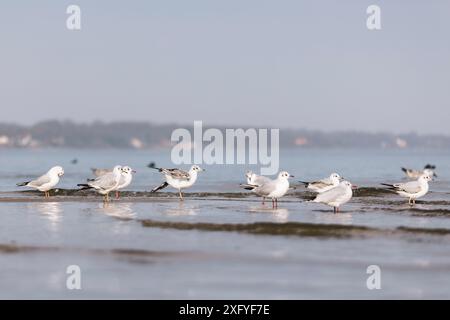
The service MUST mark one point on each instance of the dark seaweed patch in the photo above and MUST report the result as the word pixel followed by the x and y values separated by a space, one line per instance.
pixel 297 229
pixel 267 228
pixel 133 255
pixel 434 231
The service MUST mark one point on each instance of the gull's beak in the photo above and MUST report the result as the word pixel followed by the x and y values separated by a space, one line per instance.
pixel 341 179
pixel 291 176
pixel 133 171
pixel 354 187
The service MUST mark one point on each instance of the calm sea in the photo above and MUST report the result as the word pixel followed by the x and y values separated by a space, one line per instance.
pixel 222 246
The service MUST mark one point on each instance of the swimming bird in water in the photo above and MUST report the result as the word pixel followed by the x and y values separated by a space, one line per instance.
pixel 413 189
pixel 178 179
pixel 273 189
pixel 104 184
pixel 125 179
pixel 45 182
pixel 325 184
pixel 256 180
pixel 336 196
pixel 415 174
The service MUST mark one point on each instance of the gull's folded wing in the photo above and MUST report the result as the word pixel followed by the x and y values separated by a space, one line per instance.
pixel 40 181
pixel 329 195
pixel 106 181
pixel 409 187
pixel 176 173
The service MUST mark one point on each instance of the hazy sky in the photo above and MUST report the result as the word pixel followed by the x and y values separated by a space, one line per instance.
pixel 303 64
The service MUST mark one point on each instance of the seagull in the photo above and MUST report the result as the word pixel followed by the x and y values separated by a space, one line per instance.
pixel 336 196
pixel 272 189
pixel 125 179
pixel 45 182
pixel 413 189
pixel 178 179
pixel 325 184
pixel 415 174
pixel 256 180
pixel 100 172
pixel 104 184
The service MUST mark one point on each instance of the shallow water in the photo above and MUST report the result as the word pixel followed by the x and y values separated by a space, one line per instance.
pixel 220 242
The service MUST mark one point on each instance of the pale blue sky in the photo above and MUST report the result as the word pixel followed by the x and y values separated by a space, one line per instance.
pixel 286 63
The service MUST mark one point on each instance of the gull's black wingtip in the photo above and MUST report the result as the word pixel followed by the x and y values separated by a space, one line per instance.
pixel 83 186
pixel 390 186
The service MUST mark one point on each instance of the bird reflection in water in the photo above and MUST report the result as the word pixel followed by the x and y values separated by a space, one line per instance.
pixel 182 209
pixel 50 210
pixel 123 211
pixel 281 215
pixel 343 217
pixel 278 214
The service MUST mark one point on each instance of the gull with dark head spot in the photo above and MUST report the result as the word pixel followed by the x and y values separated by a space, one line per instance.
pixel 178 179
pixel 273 189
pixel 415 174
pixel 45 182
pixel 126 176
pixel 256 180
pixel 336 196
pixel 325 184
pixel 413 189
pixel 125 179
pixel 104 184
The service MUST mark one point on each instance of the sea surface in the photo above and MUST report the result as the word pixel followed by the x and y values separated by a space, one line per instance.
pixel 221 242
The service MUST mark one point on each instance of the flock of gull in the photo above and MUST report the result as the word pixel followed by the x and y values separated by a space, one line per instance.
pixel 333 191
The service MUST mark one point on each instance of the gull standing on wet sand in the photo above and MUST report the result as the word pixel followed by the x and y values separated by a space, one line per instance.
pixel 45 182
pixel 411 190
pixel 178 179
pixel 256 180
pixel 274 189
pixel 104 184
pixel 325 184
pixel 337 196
pixel 125 179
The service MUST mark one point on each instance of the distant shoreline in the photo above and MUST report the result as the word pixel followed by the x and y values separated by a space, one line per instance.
pixel 143 135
